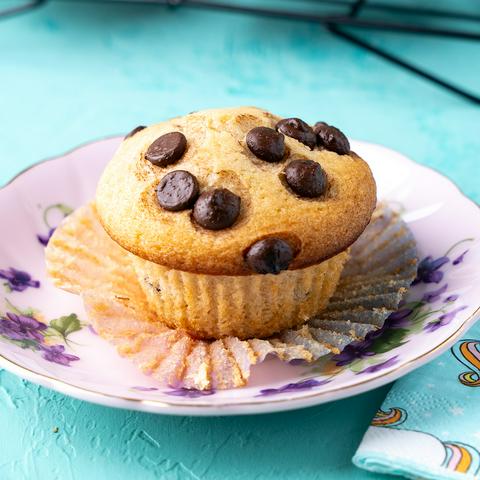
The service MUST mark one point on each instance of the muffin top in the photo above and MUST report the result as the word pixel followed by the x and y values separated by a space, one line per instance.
pixel 235 191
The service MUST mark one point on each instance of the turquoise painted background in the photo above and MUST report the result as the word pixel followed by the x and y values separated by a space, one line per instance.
pixel 72 72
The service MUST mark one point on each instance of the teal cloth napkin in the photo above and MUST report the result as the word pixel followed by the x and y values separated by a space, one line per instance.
pixel 429 424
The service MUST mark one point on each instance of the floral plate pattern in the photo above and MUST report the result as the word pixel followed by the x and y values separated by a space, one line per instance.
pixel 45 337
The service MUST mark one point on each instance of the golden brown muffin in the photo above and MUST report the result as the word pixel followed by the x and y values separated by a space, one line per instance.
pixel 210 205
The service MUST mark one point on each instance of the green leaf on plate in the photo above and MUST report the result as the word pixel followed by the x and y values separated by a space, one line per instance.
pixel 66 325
pixel 390 339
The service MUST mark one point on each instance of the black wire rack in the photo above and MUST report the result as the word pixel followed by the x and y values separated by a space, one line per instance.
pixel 353 15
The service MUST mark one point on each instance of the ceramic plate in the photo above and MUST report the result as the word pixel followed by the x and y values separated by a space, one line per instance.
pixel 45 338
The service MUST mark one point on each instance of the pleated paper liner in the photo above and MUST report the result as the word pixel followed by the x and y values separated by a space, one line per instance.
pixel 82 259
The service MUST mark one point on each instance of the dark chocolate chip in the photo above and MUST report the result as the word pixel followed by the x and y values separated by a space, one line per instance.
pixel 134 131
pixel 177 191
pixel 266 144
pixel 306 178
pixel 331 138
pixel 167 149
pixel 271 255
pixel 299 130
pixel 216 209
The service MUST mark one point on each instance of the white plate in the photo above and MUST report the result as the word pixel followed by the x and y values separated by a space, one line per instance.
pixel 45 338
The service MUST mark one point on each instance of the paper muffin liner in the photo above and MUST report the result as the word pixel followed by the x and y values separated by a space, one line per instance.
pixel 216 306
pixel 82 259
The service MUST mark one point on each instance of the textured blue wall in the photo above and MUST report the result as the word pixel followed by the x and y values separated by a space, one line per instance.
pixel 73 72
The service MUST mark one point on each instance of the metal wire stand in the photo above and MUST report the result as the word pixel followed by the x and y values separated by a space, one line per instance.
pixel 349 17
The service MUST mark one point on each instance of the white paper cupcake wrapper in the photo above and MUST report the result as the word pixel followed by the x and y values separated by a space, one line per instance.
pixel 82 259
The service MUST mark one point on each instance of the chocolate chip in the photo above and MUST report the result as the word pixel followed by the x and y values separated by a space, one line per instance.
pixel 331 138
pixel 167 149
pixel 216 209
pixel 134 131
pixel 306 178
pixel 299 130
pixel 177 191
pixel 271 255
pixel 266 144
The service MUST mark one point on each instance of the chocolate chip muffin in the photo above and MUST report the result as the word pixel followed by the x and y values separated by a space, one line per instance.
pixel 238 222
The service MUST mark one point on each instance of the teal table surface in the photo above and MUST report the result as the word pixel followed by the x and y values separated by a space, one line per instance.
pixel 72 72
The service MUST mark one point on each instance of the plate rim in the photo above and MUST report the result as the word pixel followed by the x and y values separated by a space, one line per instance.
pixel 243 407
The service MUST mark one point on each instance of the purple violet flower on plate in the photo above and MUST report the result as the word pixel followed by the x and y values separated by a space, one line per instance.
pixel 357 349
pixel 452 298
pixel 443 320
pixel 44 239
pixel 398 319
pixel 21 327
pixel 434 295
pixel 56 354
pixel 92 330
pixel 429 270
pixel 380 366
pixel 189 392
pixel 293 387
pixel 460 258
pixel 18 280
